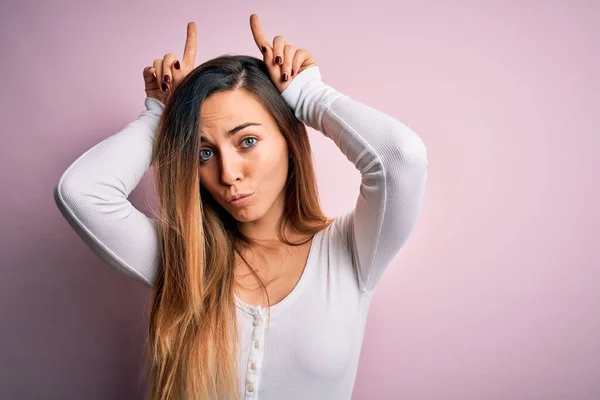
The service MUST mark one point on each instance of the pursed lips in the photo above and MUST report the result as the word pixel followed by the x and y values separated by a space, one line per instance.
pixel 241 196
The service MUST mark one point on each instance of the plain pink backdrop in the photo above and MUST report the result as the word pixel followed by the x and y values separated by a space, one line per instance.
pixel 496 295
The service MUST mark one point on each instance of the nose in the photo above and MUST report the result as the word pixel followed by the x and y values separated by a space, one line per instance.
pixel 231 167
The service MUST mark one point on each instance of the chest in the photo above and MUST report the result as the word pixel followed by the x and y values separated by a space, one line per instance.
pixel 279 273
pixel 310 347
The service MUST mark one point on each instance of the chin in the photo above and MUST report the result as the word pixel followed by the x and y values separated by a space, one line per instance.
pixel 244 219
pixel 244 214
pixel 251 212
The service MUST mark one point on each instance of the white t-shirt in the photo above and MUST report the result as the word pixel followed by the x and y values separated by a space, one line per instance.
pixel 315 334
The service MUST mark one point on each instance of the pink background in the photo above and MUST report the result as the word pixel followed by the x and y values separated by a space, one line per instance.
pixel 496 295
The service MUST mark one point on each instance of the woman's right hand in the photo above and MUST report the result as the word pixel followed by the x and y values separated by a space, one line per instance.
pixel 165 74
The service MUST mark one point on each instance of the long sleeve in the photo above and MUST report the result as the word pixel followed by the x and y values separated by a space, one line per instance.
pixel 92 196
pixel 392 161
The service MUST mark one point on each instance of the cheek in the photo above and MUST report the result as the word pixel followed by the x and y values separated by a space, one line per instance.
pixel 271 167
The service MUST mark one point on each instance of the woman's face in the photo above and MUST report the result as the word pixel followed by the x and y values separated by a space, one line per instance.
pixel 253 158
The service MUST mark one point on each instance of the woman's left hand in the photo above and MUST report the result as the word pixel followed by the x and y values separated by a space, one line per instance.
pixel 283 60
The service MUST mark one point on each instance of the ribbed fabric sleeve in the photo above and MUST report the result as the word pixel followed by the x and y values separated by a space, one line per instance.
pixel 392 161
pixel 92 195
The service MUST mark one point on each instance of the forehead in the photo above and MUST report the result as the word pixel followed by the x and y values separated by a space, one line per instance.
pixel 223 111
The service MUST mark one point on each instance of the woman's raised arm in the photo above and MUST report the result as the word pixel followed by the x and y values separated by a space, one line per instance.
pixel 92 196
pixel 392 161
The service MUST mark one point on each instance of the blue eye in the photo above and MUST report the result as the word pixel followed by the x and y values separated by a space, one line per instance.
pixel 252 144
pixel 248 139
pixel 202 151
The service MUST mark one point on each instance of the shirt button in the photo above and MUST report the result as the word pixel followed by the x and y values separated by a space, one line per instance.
pixel 256 322
pixel 250 388
pixel 256 344
pixel 252 366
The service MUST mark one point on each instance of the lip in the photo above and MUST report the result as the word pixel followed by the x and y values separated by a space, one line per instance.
pixel 241 200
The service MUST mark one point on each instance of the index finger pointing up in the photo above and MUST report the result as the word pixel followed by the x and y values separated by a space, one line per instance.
pixel 257 32
pixel 189 52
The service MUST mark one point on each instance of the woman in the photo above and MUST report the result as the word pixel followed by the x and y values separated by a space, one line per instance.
pixel 256 294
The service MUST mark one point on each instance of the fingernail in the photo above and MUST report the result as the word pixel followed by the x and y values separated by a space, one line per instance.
pixel 278 60
pixel 167 79
pixel 285 76
pixel 264 49
pixel 164 87
pixel 154 75
pixel 292 72
pixel 177 66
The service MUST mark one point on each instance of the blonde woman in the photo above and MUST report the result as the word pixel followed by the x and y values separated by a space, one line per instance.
pixel 255 293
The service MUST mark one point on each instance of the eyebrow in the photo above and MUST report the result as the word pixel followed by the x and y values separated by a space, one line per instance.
pixel 234 130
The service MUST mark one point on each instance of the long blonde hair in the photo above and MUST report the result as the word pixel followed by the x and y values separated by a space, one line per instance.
pixel 192 329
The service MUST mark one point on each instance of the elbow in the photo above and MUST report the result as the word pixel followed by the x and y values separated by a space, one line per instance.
pixel 63 191
pixel 69 195
pixel 58 193
pixel 63 198
pixel 409 148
